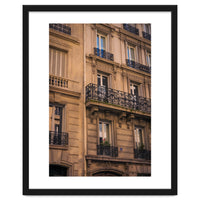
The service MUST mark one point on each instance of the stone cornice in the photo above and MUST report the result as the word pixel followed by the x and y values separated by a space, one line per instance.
pixel 65 91
pixel 134 36
pixel 123 66
pixel 64 36
pixel 119 160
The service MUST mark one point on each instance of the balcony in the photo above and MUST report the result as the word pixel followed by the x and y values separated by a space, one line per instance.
pixel 118 98
pixel 107 150
pixel 146 35
pixel 142 154
pixel 138 66
pixel 61 28
pixel 57 81
pixel 103 54
pixel 58 138
pixel 131 29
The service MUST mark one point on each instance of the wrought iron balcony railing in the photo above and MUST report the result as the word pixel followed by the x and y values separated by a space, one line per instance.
pixel 142 153
pixel 58 81
pixel 103 54
pixel 58 138
pixel 139 66
pixel 131 29
pixel 116 97
pixel 61 27
pixel 107 150
pixel 146 35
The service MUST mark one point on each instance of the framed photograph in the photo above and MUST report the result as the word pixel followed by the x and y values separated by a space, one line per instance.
pixel 100 100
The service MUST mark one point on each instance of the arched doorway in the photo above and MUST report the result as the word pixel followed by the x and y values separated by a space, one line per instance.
pixel 106 173
pixel 57 170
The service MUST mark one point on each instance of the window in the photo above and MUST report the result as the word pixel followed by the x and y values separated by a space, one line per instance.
pixel 147 28
pixel 133 89
pixel 56 136
pixel 139 138
pixel 57 62
pixel 102 86
pixel 101 42
pixel 104 133
pixel 148 59
pixel 131 53
pixel 101 45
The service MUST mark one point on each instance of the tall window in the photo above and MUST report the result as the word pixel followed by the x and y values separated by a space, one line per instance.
pixel 102 85
pixel 133 89
pixel 148 59
pixel 57 62
pixel 55 124
pixel 101 45
pixel 131 53
pixel 101 42
pixel 139 138
pixel 147 28
pixel 104 133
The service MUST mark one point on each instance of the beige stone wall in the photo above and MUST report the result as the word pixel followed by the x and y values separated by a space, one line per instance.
pixel 72 100
pixel 122 133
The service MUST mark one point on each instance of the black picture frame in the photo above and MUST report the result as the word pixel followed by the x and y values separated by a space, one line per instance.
pixel 100 8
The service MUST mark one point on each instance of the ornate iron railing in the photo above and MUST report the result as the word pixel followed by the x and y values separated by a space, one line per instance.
pixel 131 29
pixel 116 97
pixel 58 81
pixel 58 138
pixel 139 66
pixel 146 35
pixel 103 54
pixel 142 153
pixel 61 27
pixel 107 150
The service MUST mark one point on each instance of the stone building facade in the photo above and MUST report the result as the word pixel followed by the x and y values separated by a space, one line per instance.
pixel 100 99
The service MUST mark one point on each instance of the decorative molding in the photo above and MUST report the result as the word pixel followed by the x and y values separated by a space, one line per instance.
pixel 64 36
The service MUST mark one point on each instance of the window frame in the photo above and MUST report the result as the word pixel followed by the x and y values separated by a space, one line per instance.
pixel 60 55
pixel 55 116
pixel 133 84
pixel 110 131
pixel 101 79
pixel 128 51
pixel 100 44
pixel 147 28
pixel 143 138
pixel 148 58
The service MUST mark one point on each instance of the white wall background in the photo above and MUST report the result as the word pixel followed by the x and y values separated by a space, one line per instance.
pixel 11 98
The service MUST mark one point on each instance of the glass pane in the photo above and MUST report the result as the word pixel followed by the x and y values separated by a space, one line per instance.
pixel 140 135
pixel 100 133
pixel 136 138
pixel 107 133
pixel 98 80
pixel 135 90
pixel 131 88
pixel 98 41
pixel 100 129
pixel 103 43
pixel 132 54
pixel 104 81
pixel 128 53
pixel 149 60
